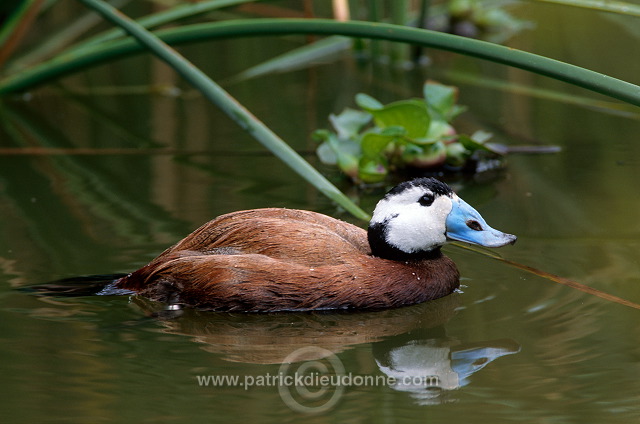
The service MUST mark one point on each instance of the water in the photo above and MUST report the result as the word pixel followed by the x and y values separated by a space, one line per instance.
pixel 511 346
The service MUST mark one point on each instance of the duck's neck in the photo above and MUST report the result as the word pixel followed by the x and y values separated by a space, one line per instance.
pixel 381 248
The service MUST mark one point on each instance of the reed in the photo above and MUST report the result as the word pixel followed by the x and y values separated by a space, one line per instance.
pixel 76 60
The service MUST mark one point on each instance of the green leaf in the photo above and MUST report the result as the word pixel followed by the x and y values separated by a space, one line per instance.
pixel 343 152
pixel 349 123
pixel 374 144
pixel 439 96
pixel 395 131
pixel 300 58
pixel 469 143
pixel 478 142
pixel 438 130
pixel 372 171
pixel 326 154
pixel 367 102
pixel 412 115
pixel 457 155
pixel 349 165
pixel 442 98
pixel 481 136
pixel 425 156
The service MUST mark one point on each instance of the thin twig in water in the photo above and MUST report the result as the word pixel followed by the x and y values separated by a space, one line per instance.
pixel 556 278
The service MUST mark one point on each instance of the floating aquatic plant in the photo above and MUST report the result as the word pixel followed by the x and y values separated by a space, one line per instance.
pixel 489 21
pixel 369 143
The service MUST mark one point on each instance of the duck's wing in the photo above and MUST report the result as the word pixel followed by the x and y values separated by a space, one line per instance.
pixel 293 237
pixel 299 236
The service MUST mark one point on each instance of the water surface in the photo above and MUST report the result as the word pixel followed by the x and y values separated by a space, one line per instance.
pixel 511 346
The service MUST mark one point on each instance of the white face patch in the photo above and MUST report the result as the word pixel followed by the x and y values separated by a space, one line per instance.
pixel 410 226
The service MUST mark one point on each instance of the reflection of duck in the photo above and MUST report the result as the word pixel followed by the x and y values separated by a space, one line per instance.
pixel 270 338
pixel 406 342
pixel 278 259
pixel 429 366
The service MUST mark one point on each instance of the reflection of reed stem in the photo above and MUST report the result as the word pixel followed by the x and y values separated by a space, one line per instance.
pixel 218 96
pixel 571 283
pixel 555 278
pixel 17 28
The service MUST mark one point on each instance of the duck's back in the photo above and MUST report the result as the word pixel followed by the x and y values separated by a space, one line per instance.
pixel 304 237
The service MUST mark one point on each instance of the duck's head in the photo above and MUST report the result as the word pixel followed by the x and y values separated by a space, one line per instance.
pixel 417 217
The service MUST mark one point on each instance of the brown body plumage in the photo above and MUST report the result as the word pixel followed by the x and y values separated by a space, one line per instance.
pixel 282 259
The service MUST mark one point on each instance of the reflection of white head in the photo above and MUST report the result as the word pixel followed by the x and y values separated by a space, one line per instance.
pixel 424 370
pixel 428 368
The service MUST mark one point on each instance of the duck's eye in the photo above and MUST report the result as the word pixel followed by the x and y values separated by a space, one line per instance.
pixel 474 225
pixel 426 199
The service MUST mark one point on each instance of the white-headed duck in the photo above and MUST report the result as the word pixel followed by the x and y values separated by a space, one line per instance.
pixel 282 259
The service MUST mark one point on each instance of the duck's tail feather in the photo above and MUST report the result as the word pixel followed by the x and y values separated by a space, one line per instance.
pixel 88 285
